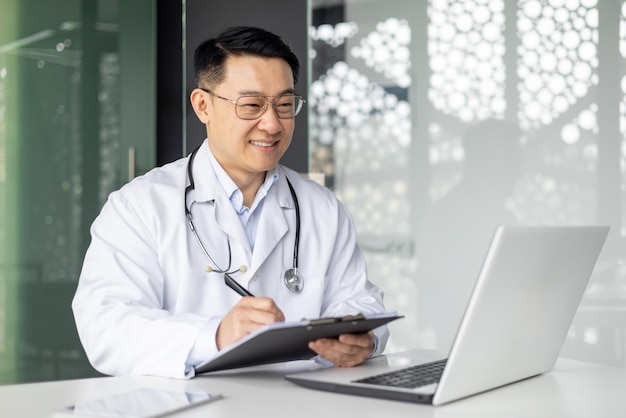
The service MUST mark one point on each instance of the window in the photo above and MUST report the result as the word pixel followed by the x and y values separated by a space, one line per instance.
pixel 436 121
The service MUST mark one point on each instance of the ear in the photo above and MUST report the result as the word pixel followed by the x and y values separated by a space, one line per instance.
pixel 200 104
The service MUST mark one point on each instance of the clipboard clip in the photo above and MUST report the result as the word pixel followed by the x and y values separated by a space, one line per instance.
pixel 334 320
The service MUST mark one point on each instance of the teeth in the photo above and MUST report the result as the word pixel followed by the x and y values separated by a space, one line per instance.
pixel 261 144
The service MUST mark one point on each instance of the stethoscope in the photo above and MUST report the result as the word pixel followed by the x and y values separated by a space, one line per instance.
pixel 292 277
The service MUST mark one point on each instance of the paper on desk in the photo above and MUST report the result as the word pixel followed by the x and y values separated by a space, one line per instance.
pixel 138 403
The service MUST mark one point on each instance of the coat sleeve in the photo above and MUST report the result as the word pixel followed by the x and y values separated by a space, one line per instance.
pixel 118 305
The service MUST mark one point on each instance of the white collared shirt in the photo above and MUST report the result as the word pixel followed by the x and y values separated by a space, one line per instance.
pixel 249 217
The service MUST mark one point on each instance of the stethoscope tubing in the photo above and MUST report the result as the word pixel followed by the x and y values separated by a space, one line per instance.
pixel 228 271
pixel 296 243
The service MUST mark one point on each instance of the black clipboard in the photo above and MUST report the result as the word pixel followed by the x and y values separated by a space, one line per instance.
pixel 286 341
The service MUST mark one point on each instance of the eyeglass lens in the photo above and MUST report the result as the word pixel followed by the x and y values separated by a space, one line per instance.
pixel 252 107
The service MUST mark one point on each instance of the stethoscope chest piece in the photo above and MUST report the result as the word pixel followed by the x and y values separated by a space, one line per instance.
pixel 293 280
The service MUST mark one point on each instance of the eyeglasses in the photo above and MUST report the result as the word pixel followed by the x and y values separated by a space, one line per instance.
pixel 286 106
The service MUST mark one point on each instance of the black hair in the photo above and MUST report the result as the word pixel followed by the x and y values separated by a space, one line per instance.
pixel 210 56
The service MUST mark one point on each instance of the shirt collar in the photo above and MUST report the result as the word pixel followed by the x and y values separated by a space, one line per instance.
pixel 232 191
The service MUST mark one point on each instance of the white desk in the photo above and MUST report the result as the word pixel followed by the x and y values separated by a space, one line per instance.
pixel 573 389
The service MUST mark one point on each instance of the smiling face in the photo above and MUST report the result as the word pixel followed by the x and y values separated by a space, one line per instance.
pixel 246 149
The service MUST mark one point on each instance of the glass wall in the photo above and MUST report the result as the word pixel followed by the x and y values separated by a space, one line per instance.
pixel 75 89
pixel 435 121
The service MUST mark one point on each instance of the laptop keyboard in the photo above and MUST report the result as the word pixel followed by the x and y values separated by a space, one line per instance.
pixel 409 377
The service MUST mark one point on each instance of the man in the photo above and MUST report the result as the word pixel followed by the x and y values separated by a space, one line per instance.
pixel 151 297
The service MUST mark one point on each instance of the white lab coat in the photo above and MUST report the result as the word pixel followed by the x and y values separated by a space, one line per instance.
pixel 144 296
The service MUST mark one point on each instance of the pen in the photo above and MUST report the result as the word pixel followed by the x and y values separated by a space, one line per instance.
pixel 230 282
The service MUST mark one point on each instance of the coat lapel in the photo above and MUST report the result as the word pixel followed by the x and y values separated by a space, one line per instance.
pixel 228 221
pixel 273 225
pixel 208 189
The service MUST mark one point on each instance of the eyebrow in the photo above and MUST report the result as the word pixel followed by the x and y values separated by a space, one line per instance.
pixel 258 93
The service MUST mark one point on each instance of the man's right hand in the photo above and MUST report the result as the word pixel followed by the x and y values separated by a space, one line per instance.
pixel 246 316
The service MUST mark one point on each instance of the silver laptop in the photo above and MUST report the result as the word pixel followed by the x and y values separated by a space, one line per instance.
pixel 515 323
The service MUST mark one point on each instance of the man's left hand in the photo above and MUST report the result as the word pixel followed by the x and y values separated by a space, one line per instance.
pixel 346 351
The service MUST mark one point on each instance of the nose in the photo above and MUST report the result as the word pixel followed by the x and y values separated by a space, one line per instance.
pixel 269 120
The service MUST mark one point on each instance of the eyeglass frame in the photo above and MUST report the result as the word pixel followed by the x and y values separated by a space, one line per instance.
pixel 267 101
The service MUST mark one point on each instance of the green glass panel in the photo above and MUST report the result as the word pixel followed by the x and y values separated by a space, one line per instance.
pixel 61 153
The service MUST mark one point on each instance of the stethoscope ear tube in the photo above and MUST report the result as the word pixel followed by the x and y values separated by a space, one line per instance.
pixel 293 278
pixel 296 243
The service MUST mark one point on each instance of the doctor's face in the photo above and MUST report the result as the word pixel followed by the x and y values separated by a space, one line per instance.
pixel 246 149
